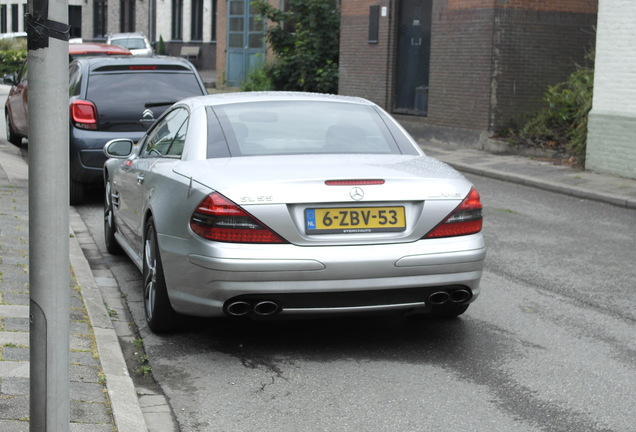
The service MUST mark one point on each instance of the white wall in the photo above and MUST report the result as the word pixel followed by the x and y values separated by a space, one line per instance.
pixel 611 145
pixel 21 11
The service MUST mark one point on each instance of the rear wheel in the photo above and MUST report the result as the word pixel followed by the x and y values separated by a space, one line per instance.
pixel 12 137
pixel 441 312
pixel 448 310
pixel 160 316
pixel 77 192
pixel 110 228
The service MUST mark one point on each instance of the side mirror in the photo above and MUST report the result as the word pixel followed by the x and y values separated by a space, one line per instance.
pixel 9 79
pixel 119 148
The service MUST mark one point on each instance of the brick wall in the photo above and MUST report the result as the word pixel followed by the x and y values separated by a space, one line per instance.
pixel 461 67
pixel 365 68
pixel 611 144
pixel 491 60
pixel 580 6
pixel 534 49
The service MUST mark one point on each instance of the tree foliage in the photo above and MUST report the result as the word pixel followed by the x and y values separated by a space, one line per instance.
pixel 13 52
pixel 305 40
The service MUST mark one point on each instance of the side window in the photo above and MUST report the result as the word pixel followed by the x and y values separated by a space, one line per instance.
pixel 23 72
pixel 75 80
pixel 168 136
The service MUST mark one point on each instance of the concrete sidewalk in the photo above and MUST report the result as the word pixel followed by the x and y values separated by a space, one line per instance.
pixel 102 394
pixel 539 173
pixel 97 362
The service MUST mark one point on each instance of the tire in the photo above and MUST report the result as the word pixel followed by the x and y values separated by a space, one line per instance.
pixel 440 312
pixel 448 310
pixel 160 316
pixel 110 228
pixel 77 192
pixel 12 137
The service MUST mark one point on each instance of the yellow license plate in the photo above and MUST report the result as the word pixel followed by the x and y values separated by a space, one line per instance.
pixel 353 220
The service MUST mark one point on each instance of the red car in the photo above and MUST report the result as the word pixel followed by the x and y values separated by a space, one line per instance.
pixel 16 110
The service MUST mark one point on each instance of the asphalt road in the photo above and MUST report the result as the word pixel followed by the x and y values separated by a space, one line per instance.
pixel 548 346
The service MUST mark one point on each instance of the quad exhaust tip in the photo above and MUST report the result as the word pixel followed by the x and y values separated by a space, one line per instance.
pixel 455 296
pixel 243 308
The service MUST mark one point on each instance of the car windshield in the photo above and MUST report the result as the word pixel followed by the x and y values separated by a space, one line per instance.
pixel 301 127
pixel 132 101
pixel 130 43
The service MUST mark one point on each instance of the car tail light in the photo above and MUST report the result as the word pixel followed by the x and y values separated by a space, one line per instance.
pixel 354 182
pixel 219 219
pixel 465 219
pixel 143 67
pixel 84 115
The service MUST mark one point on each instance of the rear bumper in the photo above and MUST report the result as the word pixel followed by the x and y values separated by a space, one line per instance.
pixel 87 153
pixel 320 279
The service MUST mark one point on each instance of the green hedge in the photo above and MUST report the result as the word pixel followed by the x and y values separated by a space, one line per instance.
pixel 10 61
pixel 13 52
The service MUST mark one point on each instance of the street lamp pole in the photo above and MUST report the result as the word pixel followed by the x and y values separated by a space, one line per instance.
pixel 49 275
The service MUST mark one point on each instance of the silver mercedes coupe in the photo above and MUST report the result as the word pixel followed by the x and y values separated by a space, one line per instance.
pixel 278 204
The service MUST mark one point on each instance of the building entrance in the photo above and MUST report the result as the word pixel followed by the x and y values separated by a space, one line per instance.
pixel 413 57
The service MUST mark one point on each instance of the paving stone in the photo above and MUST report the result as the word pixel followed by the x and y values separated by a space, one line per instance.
pixel 15 386
pixel 14 407
pixel 83 412
pixel 16 324
pixel 87 392
pixel 82 373
pixel 15 354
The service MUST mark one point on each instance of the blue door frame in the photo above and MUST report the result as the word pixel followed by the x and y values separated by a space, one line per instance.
pixel 245 41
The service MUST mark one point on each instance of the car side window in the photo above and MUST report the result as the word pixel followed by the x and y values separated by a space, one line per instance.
pixel 22 73
pixel 168 136
pixel 75 80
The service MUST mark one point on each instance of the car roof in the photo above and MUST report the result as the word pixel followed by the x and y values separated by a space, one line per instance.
pixel 272 96
pixel 13 35
pixel 99 61
pixel 126 35
pixel 87 48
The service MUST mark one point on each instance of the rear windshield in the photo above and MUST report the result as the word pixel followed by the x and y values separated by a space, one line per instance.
pixel 132 101
pixel 132 43
pixel 304 127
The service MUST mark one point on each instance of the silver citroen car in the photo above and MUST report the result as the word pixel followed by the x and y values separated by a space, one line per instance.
pixel 277 204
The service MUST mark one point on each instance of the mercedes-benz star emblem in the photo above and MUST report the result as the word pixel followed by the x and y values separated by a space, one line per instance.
pixel 356 193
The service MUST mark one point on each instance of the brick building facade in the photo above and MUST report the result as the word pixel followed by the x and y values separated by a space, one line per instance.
pixel 489 63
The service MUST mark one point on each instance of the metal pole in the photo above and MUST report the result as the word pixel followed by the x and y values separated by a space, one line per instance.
pixel 49 275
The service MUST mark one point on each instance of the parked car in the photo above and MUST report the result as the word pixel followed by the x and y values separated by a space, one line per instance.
pixel 13 35
pixel 137 43
pixel 16 106
pixel 90 49
pixel 289 204
pixel 112 97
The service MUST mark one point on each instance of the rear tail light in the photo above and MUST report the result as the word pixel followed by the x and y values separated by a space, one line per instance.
pixel 465 219
pixel 84 115
pixel 354 182
pixel 219 219
pixel 143 67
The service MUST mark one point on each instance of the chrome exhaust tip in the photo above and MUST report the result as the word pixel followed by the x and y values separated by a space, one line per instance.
pixel 266 308
pixel 439 298
pixel 460 296
pixel 238 308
